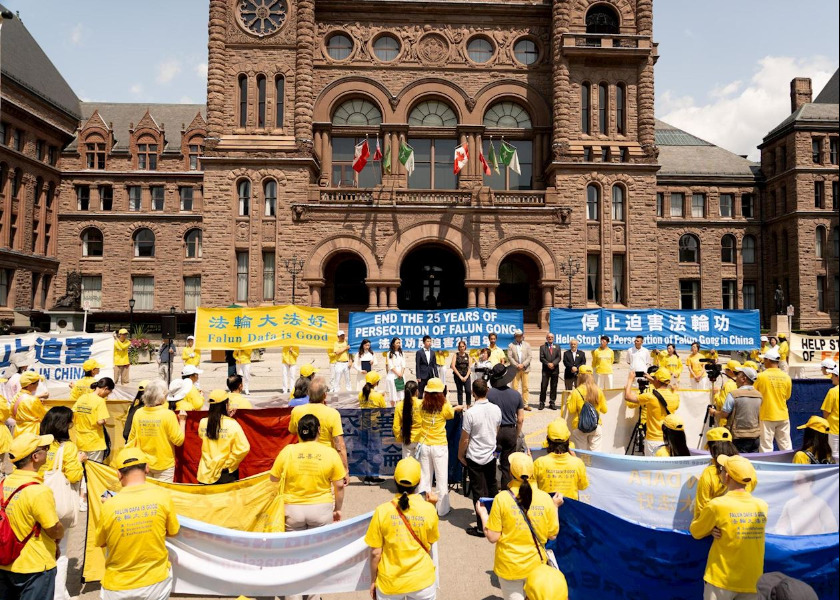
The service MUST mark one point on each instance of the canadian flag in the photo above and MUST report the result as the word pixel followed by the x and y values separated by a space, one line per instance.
pixel 483 161
pixel 462 156
pixel 360 156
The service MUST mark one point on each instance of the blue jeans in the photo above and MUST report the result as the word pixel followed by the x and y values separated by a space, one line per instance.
pixel 27 586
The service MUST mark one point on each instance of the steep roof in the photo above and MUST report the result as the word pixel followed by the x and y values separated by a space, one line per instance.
pixel 830 94
pixel 25 63
pixel 681 153
pixel 825 109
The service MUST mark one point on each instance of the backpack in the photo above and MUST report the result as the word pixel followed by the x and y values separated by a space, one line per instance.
pixel 588 419
pixel 10 546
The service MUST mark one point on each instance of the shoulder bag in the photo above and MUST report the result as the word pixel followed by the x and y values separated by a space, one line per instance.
pixel 410 530
pixel 66 498
pixel 549 555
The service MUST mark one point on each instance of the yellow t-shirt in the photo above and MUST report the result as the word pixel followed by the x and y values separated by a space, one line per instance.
pixel 81 387
pixel 673 363
pixel 375 400
pixel 192 401
pixel 242 357
pixel 329 418
pixel 562 473
pixel 440 357
pixel 655 414
pixel 71 467
pixel 309 468
pixel 736 560
pixel 121 352
pixel 5 434
pixel 341 350
pixel 405 567
pixel 784 351
pixel 831 405
pixel 433 425
pixel 290 355
pixel 602 361
pixel 331 356
pixel 224 453
pixel 516 554
pixel 775 387
pixel 728 386
pixel 576 401
pixel 800 458
pixel 237 400
pixel 710 486
pixel 695 367
pixel 663 452
pixel 30 412
pixel 155 430
pixel 415 420
pixel 191 356
pixel 35 504
pixel 497 355
pixel 87 412
pixel 133 527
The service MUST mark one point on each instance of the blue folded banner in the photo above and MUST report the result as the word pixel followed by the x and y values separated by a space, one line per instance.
pixel 721 329
pixel 445 327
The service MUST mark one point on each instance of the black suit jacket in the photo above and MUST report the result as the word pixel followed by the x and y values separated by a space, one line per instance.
pixel 572 359
pixel 550 356
pixel 422 369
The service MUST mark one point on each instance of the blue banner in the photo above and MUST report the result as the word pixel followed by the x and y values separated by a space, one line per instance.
pixel 446 327
pixel 720 329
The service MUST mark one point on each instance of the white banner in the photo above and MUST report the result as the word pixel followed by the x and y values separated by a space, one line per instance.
pixel 811 350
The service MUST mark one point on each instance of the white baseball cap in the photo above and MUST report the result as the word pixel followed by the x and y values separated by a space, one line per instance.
pixel 190 370
pixel 764 338
pixel 340 332
pixel 828 364
pixel 835 370
pixel 772 354
pixel 517 332
pixel 190 337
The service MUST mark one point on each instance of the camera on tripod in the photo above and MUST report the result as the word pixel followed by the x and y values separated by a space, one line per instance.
pixel 642 381
pixel 713 370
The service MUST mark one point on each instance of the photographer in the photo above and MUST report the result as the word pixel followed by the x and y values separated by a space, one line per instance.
pixel 728 386
pixel 660 402
pixel 483 366
pixel 741 409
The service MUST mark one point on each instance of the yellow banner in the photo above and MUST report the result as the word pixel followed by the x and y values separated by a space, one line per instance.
pixel 114 425
pixel 265 326
pixel 248 505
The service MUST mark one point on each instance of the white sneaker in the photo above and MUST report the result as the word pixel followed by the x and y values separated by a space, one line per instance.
pixel 82 505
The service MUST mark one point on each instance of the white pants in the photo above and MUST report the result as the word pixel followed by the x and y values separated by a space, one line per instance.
pixel 342 371
pixel 390 387
pixel 833 440
pixel 300 517
pixel 332 377
pixel 167 475
pixel 61 570
pixel 512 589
pixel 244 371
pixel 409 449
pixel 156 591
pixel 442 374
pixel 703 384
pixel 604 381
pixel 713 592
pixel 289 373
pixel 652 447
pixel 587 441
pixel 778 430
pixel 429 593
pixel 434 463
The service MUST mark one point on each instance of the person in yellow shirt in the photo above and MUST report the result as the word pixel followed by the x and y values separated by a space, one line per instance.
pixel 121 360
pixel 32 517
pixel 136 559
pixel 400 536
pixel 341 349
pixel 155 430
pixel 603 358
pixel 507 526
pixel 737 521
pixel 546 583
pixel 709 485
pixel 497 355
pixel 243 368
pixel 729 385
pixel 27 409
pixel 673 433
pixel 288 364
pixel 5 434
pixel 331 359
pixel 311 477
pixel 82 386
pixel 435 411
pixel 559 471
pixel 90 414
pixel 784 352
pixel 188 395
pixel 657 409
pixel 586 391
pixel 697 379
pixel 369 397
pixel 815 449
pixel 672 361
pixel 190 354
pixel 236 399
pixel 755 355
pixel 831 412
pixel 775 387
pixel 223 443
pixel 440 361
pixel 330 431
pixel 406 425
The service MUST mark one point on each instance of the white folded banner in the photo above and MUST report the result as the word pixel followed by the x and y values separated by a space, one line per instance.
pixel 811 350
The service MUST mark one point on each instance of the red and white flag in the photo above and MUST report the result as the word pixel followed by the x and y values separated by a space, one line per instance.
pixel 462 156
pixel 360 156
pixel 377 154
pixel 483 162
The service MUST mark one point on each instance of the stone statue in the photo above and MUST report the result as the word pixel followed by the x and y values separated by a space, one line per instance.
pixel 73 296
pixel 779 296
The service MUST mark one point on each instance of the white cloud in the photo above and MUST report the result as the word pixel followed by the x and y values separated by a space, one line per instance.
pixel 186 100
pixel 76 35
pixel 136 89
pixel 167 70
pixel 201 70
pixel 738 116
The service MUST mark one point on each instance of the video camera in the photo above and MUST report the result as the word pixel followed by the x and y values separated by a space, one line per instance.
pixel 713 370
pixel 642 381
pixel 485 373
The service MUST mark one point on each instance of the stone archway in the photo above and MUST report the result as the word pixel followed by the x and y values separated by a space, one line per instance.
pixel 519 286
pixel 432 276
pixel 345 288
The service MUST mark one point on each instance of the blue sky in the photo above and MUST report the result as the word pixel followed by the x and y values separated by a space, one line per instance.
pixel 723 72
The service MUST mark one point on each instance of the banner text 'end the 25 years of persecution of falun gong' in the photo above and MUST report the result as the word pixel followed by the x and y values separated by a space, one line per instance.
pixel 265 326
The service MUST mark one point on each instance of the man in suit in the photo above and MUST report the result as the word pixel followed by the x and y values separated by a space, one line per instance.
pixel 572 360
pixel 425 364
pixel 550 359
pixel 519 355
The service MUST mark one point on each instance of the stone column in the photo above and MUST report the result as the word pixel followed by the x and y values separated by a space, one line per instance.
pixel 383 296
pixel 471 297
pixel 392 297
pixel 491 296
pixel 548 296
pixel 482 297
pixel 373 303
pixel 304 86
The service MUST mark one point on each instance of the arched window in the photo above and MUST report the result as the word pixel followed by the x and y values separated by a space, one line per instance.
pixel 819 245
pixel 507 115
pixel 144 243
pixel 748 250
pixel 192 242
pixel 603 107
pixel 593 202
pixel 260 100
pixel 621 108
pixel 357 112
pixel 433 113
pixel 386 48
pixel 586 107
pixel 602 18
pixel 339 46
pixel 480 49
pixel 727 249
pixel 92 242
pixel 618 203
pixel 279 100
pixel 243 100
pixel 243 189
pixel 689 249
pixel 270 195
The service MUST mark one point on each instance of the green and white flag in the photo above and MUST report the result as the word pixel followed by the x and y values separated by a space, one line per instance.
pixel 386 162
pixel 407 157
pixel 493 159
pixel 510 157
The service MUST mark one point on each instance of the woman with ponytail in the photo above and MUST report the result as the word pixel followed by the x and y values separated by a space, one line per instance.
pixel 521 521
pixel 400 536
pixel 369 425
pixel 90 413
pixel 406 426
pixel 673 432
pixel 223 443
pixel 587 391
pixel 369 397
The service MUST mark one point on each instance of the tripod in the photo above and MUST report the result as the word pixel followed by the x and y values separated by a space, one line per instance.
pixel 708 420
pixel 636 445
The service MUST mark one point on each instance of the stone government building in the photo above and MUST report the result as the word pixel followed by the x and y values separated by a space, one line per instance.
pixel 179 205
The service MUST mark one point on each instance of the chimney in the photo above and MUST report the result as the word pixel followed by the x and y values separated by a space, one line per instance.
pixel 800 92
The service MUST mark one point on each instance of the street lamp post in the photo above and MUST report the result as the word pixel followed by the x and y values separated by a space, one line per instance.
pixel 294 266
pixel 131 303
pixel 570 269
pixel 169 369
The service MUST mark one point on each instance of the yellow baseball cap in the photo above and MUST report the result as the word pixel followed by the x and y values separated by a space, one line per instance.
pixel 558 431
pixel 817 424
pixel 123 331
pixel 662 375
pixel 129 457
pixel 674 423
pixel 585 370
pixel 218 396
pixel 718 434
pixel 26 443
pixel 407 472
pixel 307 370
pixel 90 364
pixel 521 466
pixel 732 365
pixel 28 378
pixel 546 583
pixel 434 385
pixel 751 364
pixel 142 385
pixel 372 378
pixel 738 468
